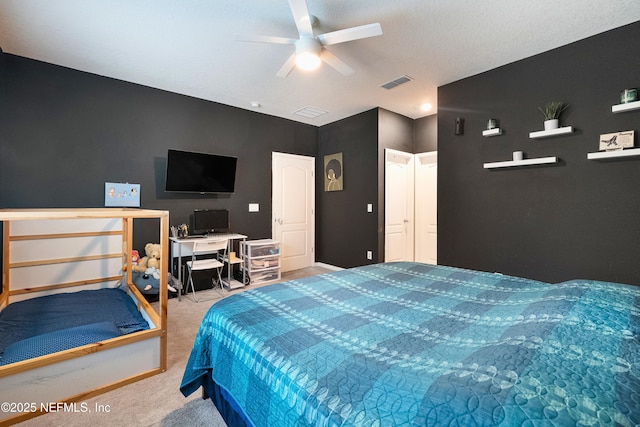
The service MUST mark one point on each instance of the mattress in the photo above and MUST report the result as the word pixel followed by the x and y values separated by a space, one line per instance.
pixel 417 344
pixel 52 323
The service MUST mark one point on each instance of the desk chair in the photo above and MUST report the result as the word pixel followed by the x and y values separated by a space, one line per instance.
pixel 216 247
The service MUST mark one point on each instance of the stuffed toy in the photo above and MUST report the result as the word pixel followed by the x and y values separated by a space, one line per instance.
pixel 148 284
pixel 149 265
pixel 153 271
pixel 135 257
pixel 152 258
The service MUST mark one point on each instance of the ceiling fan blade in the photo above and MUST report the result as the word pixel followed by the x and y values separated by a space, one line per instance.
pixel 338 64
pixel 301 16
pixel 287 67
pixel 354 33
pixel 265 39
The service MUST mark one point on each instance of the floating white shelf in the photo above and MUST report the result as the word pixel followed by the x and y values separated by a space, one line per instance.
pixel 492 132
pixel 630 152
pixel 525 162
pixel 620 108
pixel 552 132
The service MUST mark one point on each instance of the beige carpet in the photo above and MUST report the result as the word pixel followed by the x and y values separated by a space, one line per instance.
pixel 157 401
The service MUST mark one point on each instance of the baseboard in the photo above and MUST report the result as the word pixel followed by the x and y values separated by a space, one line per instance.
pixel 327 266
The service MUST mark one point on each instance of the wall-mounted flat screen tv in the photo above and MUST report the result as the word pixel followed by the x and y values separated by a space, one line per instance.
pixel 200 172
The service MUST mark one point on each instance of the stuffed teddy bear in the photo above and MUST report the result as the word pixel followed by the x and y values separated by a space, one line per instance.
pixel 152 258
pixel 149 265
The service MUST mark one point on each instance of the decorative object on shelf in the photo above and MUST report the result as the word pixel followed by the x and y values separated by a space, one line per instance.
pixel 629 95
pixel 493 128
pixel 333 172
pixel 617 140
pixel 551 113
pixel 518 155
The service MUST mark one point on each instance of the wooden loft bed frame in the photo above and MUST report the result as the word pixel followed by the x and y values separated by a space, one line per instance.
pixel 83 372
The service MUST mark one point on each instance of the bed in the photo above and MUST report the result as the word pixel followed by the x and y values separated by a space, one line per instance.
pixel 416 344
pixel 72 324
pixel 52 323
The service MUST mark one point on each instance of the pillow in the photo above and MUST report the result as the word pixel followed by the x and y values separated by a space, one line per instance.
pixel 53 342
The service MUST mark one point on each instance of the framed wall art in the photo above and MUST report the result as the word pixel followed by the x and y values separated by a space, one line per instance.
pixel 333 172
pixel 617 140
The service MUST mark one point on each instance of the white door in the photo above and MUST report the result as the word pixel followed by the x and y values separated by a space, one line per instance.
pixel 398 195
pixel 293 209
pixel 426 207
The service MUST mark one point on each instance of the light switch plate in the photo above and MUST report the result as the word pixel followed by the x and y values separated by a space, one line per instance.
pixel 369 207
pixel 254 207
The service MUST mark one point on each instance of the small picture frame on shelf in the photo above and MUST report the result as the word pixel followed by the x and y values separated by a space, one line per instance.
pixel 617 140
pixel 629 95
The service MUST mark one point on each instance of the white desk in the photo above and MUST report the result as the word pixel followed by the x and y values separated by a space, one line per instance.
pixel 183 247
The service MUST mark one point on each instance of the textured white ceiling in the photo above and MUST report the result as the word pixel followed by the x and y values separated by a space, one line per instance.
pixel 188 46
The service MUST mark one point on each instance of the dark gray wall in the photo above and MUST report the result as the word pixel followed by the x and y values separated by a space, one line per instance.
pixel 342 215
pixel 426 134
pixel 344 228
pixel 65 132
pixel 575 219
pixel 395 132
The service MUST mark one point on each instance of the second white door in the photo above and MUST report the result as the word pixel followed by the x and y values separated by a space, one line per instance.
pixel 398 195
pixel 426 208
pixel 411 214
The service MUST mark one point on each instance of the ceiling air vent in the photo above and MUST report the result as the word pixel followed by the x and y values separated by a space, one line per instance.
pixel 397 82
pixel 309 112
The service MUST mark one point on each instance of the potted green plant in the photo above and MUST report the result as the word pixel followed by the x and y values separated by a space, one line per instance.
pixel 552 112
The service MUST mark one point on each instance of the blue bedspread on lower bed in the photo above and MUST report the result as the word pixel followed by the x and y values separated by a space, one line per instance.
pixel 57 322
pixel 416 344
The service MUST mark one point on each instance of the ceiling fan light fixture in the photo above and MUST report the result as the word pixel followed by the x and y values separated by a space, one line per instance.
pixel 307 61
pixel 308 54
pixel 310 49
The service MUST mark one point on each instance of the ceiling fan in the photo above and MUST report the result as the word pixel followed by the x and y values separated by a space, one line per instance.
pixel 310 49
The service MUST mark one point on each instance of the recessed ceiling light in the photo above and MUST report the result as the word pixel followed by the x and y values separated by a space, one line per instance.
pixel 426 106
pixel 255 104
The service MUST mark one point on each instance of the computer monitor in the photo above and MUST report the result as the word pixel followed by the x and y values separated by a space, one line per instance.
pixel 206 221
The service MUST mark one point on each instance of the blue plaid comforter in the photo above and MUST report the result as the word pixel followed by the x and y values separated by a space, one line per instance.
pixel 415 344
